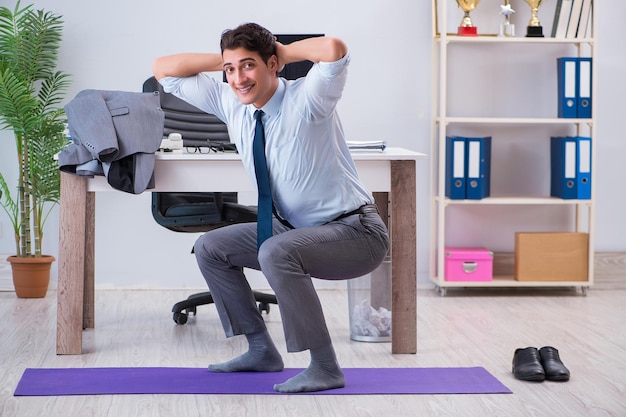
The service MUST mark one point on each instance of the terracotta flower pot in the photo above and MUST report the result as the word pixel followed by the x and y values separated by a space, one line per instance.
pixel 31 276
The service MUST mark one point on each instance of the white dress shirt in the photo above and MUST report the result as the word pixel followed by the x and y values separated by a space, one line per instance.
pixel 312 173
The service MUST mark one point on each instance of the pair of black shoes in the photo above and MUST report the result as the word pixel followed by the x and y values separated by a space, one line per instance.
pixel 530 364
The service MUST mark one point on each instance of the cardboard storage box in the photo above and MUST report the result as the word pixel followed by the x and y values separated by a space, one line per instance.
pixel 549 256
pixel 468 264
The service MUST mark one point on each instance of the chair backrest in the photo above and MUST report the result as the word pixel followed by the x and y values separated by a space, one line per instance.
pixel 196 126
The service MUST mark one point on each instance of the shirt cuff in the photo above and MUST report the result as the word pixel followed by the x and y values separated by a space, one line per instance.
pixel 330 69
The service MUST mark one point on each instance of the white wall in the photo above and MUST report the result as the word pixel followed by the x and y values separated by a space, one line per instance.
pixel 110 45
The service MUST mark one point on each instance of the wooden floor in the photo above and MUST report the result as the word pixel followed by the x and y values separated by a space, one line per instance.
pixel 465 328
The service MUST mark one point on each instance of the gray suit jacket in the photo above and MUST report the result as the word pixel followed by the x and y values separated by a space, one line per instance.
pixel 114 133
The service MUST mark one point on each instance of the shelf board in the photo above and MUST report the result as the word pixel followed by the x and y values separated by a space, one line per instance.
pixel 508 281
pixel 453 38
pixel 512 120
pixel 515 201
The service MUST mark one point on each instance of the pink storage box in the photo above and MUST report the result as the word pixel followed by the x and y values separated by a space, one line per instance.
pixel 468 264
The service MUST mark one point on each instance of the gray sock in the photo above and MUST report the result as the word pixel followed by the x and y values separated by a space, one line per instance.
pixel 322 374
pixel 262 356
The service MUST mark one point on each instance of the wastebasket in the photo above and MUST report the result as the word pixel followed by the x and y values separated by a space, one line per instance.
pixel 369 301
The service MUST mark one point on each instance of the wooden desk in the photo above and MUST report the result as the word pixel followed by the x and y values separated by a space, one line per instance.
pixel 390 175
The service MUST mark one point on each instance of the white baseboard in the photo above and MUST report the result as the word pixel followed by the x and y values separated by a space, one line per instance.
pixel 609 266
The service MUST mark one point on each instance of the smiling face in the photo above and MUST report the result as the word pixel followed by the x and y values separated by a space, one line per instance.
pixel 253 81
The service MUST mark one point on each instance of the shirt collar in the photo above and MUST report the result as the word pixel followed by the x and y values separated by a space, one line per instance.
pixel 272 107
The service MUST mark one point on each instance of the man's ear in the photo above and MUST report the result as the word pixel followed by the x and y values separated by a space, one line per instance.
pixel 272 64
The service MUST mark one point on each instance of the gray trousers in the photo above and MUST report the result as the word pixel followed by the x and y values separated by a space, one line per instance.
pixel 346 248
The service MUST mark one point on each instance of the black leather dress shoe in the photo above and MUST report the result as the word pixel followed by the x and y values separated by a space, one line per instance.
pixel 552 365
pixel 527 365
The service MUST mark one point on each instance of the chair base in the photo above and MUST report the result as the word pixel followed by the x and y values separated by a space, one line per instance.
pixel 183 308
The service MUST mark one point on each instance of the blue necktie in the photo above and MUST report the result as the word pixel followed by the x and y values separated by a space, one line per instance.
pixel 264 220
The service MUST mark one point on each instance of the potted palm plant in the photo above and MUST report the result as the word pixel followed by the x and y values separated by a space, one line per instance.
pixel 31 90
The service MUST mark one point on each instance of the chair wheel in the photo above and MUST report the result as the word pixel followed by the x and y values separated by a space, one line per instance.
pixel 180 318
pixel 264 307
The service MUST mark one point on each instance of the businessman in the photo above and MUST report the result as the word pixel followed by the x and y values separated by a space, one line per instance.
pixel 325 224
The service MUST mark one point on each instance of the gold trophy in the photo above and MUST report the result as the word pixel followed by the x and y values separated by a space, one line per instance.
pixel 467 28
pixel 534 30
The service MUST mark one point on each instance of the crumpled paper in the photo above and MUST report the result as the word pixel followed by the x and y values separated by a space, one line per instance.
pixel 367 321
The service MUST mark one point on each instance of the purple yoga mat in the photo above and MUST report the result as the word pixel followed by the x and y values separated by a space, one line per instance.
pixel 359 381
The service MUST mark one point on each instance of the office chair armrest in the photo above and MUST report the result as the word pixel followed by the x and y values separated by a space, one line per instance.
pixel 238 213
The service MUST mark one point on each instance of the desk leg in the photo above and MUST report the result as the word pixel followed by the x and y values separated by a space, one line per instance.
pixel 90 244
pixel 403 262
pixel 70 292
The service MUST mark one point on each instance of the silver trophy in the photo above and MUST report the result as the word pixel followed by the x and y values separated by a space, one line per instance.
pixel 507 29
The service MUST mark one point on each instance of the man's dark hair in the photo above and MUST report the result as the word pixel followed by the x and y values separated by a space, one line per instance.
pixel 250 36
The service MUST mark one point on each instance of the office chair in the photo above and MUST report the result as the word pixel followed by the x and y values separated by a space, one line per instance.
pixel 193 212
